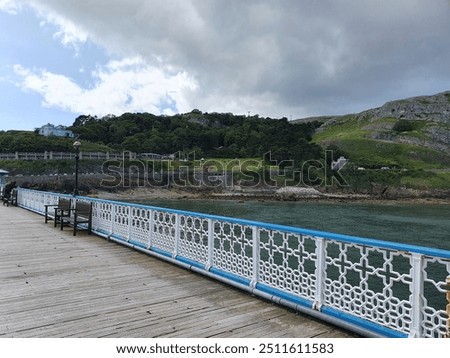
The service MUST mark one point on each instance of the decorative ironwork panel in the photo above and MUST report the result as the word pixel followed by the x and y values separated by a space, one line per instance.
pixel 140 225
pixel 163 236
pixel 194 238
pixel 121 217
pixel 25 198
pixel 288 262
pixel 48 199
pixel 233 248
pixel 436 295
pixel 36 200
pixel 102 216
pixel 369 282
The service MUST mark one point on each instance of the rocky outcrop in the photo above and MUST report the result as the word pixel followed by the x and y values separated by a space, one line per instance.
pixel 431 108
pixel 295 193
pixel 434 110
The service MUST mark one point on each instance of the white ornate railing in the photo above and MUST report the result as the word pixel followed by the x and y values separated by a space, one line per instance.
pixel 66 155
pixel 374 287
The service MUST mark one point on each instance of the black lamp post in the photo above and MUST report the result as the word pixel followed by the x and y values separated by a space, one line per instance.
pixel 77 146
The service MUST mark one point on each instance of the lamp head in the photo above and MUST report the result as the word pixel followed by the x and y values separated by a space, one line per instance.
pixel 77 145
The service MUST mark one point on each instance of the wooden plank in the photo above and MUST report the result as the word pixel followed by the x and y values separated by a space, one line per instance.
pixel 56 285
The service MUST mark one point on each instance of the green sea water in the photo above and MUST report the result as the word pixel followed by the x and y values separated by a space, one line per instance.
pixel 424 225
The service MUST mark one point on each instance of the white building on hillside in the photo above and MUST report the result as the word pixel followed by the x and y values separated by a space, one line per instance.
pixel 339 164
pixel 57 131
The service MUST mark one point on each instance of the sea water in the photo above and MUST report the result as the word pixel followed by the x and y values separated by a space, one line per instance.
pixel 417 224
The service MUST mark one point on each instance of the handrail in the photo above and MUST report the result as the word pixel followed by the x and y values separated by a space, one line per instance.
pixel 374 287
pixel 51 155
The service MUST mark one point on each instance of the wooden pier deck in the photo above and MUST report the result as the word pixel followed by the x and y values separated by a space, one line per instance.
pixel 53 284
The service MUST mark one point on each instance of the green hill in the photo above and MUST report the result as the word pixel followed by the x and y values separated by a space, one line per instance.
pixel 374 143
pixel 411 136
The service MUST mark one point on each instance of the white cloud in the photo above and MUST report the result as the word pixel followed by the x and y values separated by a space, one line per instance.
pixel 10 6
pixel 67 32
pixel 129 85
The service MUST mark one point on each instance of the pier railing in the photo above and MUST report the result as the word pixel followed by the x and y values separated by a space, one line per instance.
pixel 373 287
pixel 66 155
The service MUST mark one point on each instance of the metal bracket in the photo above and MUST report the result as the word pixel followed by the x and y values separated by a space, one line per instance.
pixel 317 306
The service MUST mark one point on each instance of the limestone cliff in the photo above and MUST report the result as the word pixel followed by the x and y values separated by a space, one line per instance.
pixel 434 108
pixel 430 114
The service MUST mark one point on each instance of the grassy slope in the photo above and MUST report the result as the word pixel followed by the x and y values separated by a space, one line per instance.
pixel 351 136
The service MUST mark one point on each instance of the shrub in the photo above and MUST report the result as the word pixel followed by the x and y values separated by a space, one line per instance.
pixel 403 125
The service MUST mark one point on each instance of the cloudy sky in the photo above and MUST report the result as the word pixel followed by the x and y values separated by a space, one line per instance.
pixel 277 58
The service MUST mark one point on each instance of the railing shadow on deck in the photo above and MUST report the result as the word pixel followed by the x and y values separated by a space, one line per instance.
pixel 374 288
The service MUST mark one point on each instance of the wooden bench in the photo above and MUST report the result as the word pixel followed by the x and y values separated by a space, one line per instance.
pixel 61 210
pixel 82 214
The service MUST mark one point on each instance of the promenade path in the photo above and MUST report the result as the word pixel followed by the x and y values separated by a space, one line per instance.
pixel 53 284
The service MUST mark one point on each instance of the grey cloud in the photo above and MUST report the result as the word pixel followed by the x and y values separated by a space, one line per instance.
pixel 310 57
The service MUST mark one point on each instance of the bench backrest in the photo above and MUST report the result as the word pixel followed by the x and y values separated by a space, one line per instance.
pixel 64 204
pixel 82 208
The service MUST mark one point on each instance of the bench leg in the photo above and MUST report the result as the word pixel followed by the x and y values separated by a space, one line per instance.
pixel 75 225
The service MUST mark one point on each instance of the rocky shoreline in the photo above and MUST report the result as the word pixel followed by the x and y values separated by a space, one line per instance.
pixel 283 194
pixel 91 187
